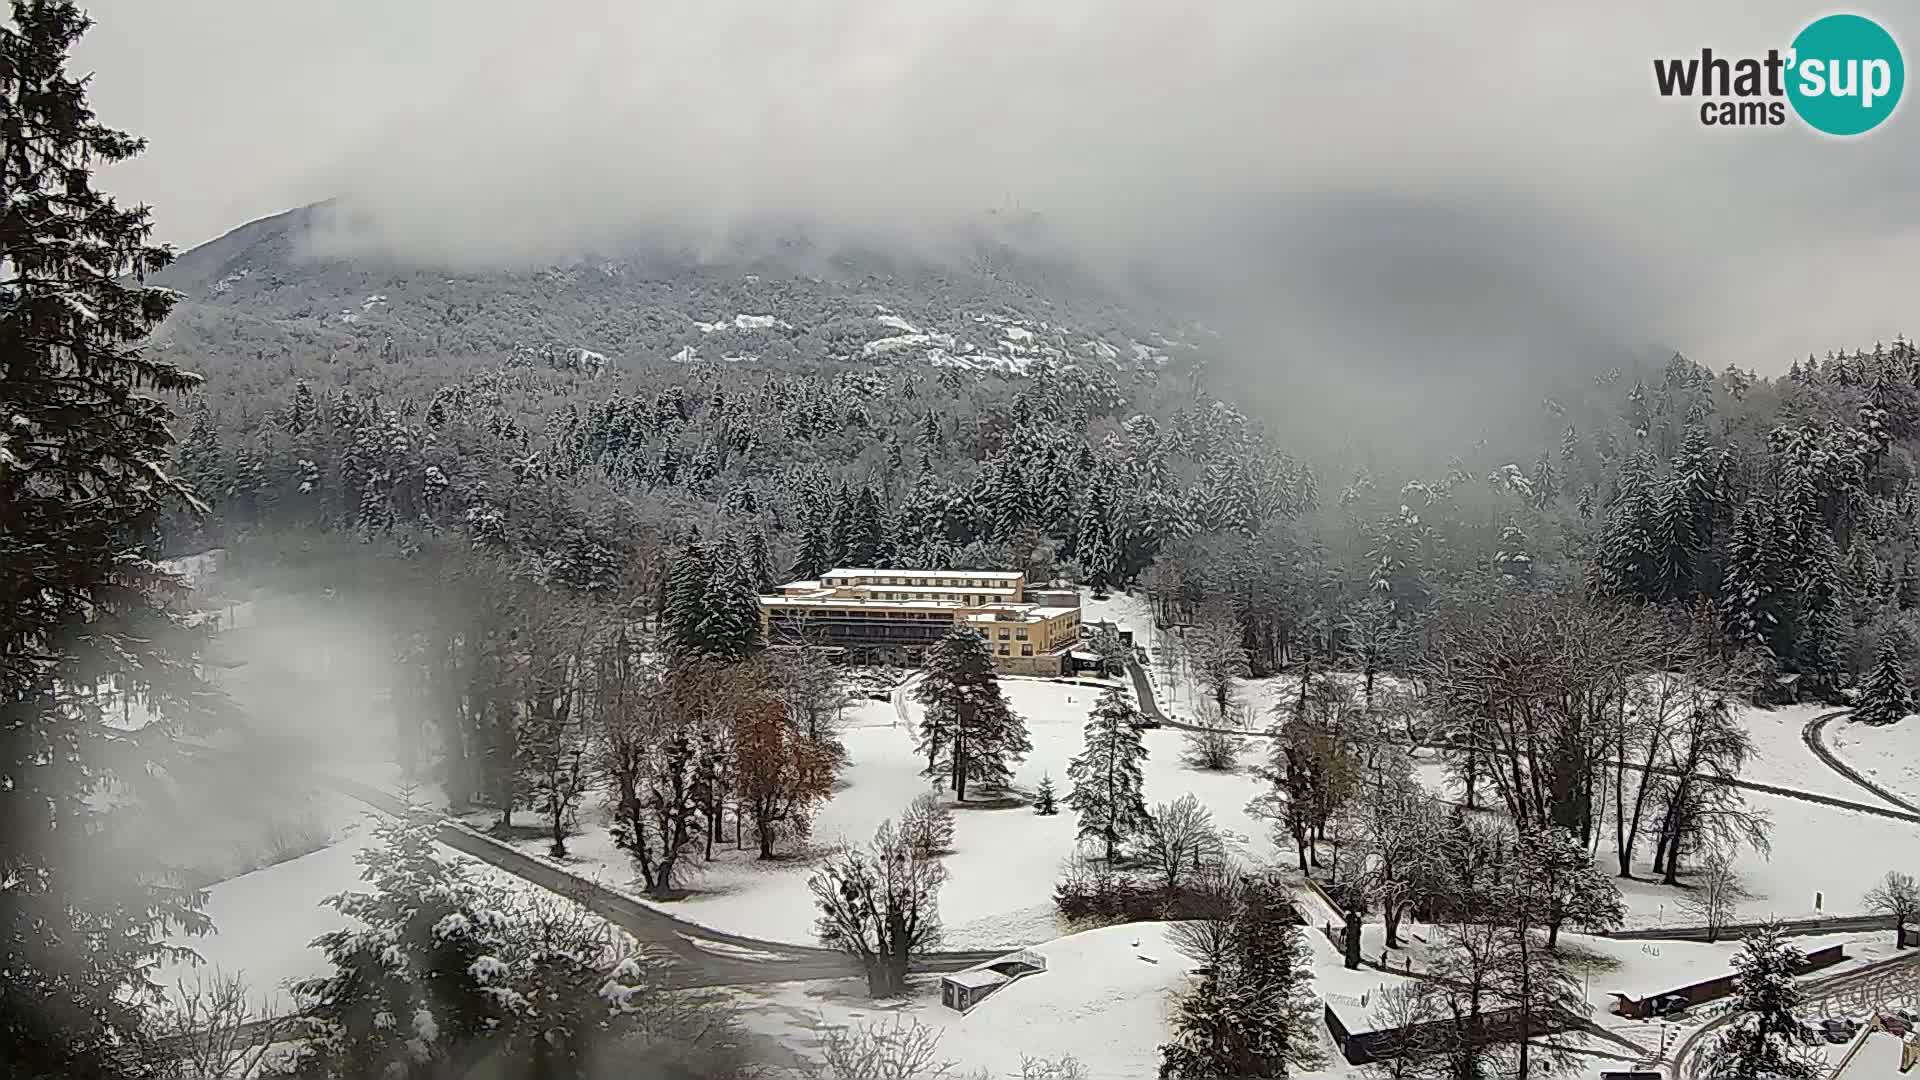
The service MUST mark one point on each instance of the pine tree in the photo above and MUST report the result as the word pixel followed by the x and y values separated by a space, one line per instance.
pixel 1107 776
pixel 688 579
pixel 1764 1039
pixel 1043 799
pixel 968 730
pixel 415 947
pixel 840 534
pixel 811 561
pixel 1252 1014
pixel 866 529
pixel 1887 697
pixel 760 562
pixel 728 626
pixel 83 483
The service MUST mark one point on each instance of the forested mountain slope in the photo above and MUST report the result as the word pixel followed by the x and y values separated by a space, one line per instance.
pixel 537 415
pixel 981 298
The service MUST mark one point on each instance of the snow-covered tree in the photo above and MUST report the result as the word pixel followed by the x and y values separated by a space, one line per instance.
pixel 881 905
pixel 968 731
pixel 728 624
pixel 1216 653
pixel 1044 801
pixel 1106 776
pixel 84 456
pixel 1887 698
pixel 1764 1040
pixel 1556 868
pixel 406 987
pixel 1252 1014
pixel 443 970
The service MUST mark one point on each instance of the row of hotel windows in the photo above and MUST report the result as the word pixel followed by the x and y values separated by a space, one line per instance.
pixel 1025 650
pixel 951 583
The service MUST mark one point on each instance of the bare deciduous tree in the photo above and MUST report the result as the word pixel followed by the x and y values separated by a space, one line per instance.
pixel 1897 896
pixel 1206 934
pixel 1180 841
pixel 1716 892
pixel 880 905
pixel 927 824
pixel 1217 655
pixel 209 1029
pixel 899 1048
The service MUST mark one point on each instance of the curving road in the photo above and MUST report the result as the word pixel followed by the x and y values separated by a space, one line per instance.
pixel 692 955
pixel 1884 980
pixel 1814 736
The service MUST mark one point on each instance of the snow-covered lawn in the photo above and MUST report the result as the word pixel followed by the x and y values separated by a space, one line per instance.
pixel 1889 756
pixel 264 921
pixel 1822 860
pixel 1781 756
pixel 1006 858
pixel 1107 998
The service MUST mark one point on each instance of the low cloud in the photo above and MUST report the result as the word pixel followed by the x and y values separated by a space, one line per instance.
pixel 1385 187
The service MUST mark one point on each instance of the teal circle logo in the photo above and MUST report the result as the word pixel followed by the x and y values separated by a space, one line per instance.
pixel 1846 75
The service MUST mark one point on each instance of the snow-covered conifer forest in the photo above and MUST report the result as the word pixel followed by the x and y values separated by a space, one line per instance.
pixel 793 657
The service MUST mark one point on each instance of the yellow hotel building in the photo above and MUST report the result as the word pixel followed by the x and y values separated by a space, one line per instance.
pixel 896 614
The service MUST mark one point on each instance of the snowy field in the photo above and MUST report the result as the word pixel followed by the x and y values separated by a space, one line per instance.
pixel 1889 756
pixel 1107 998
pixel 1006 858
pixel 1822 858
pixel 264 922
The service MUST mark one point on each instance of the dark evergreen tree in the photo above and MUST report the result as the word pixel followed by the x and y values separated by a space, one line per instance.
pixel 812 560
pixel 1252 1014
pixel 1887 697
pixel 866 530
pixel 968 731
pixel 689 577
pixel 1764 1041
pixel 728 626
pixel 759 558
pixel 1044 803
pixel 1106 776
pixel 83 484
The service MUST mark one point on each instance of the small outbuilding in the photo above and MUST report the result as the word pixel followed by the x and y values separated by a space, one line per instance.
pixel 962 990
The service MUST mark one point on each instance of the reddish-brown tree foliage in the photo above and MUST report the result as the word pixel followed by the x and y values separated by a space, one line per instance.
pixel 783 774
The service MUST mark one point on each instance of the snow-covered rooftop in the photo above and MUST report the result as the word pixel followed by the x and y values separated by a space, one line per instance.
pixel 975 977
pixel 981 575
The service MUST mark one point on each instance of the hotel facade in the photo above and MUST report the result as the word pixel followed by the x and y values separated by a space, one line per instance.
pixel 895 615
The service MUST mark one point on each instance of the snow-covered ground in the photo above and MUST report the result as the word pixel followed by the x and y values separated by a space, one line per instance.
pixel 1781 756
pixel 1106 998
pixel 1006 858
pixel 265 921
pixel 1889 756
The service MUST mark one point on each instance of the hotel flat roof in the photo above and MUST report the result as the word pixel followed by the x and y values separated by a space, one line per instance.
pixel 992 575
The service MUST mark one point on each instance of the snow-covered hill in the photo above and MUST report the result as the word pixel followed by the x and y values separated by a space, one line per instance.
pixel 765 299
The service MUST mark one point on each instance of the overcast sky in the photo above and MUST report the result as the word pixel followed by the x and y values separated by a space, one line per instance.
pixel 1346 162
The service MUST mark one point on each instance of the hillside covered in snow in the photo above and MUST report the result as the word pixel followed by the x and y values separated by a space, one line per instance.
pixel 985 299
